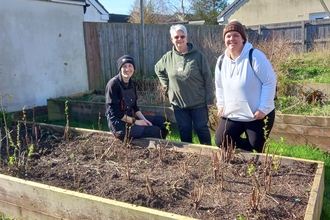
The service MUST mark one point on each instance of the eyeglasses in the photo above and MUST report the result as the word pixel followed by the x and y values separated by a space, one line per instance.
pixel 182 37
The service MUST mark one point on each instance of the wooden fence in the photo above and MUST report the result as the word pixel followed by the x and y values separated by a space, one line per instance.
pixel 303 34
pixel 106 42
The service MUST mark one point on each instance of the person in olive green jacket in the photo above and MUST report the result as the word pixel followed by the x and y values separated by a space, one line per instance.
pixel 185 74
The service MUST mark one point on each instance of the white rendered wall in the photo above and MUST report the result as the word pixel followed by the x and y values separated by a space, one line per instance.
pixel 42 52
pixel 258 12
pixel 94 13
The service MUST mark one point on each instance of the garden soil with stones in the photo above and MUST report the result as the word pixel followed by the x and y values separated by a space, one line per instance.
pixel 203 186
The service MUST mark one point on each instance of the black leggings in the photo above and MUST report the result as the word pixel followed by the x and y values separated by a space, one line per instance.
pixel 254 131
pixel 158 130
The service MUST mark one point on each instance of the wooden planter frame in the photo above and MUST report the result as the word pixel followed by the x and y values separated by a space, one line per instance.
pixel 21 199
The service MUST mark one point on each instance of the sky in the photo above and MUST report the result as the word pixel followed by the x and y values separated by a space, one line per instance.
pixel 122 6
pixel 117 6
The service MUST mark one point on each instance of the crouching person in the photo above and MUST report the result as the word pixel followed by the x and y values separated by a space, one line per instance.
pixel 123 114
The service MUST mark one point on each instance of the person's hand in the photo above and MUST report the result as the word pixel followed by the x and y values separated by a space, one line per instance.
pixel 220 110
pixel 259 115
pixel 210 106
pixel 148 122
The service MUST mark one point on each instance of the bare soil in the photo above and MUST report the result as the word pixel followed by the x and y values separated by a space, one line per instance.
pixel 196 184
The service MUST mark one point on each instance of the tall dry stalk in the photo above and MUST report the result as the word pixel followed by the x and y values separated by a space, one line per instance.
pixel 67 127
pixel 128 161
pixel 7 133
pixel 216 166
pixel 99 122
pixel 161 150
pixel 254 200
pixel 197 194
pixel 150 190
pixel 227 153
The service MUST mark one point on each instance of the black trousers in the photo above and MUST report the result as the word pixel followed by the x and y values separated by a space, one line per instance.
pixel 157 130
pixel 255 133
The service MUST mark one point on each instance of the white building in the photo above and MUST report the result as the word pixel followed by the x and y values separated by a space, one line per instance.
pixel 42 51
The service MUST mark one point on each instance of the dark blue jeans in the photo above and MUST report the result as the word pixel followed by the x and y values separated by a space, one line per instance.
pixel 158 130
pixel 197 118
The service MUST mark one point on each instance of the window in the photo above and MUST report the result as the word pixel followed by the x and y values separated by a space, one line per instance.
pixel 317 16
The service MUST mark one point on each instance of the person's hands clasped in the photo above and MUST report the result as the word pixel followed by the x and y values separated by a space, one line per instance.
pixel 143 122
pixel 259 115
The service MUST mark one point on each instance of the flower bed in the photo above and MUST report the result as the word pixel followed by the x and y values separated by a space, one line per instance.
pixel 31 200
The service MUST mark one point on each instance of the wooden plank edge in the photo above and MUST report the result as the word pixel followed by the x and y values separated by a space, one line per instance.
pixel 69 204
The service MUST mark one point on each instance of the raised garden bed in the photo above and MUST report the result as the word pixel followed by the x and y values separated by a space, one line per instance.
pixel 93 153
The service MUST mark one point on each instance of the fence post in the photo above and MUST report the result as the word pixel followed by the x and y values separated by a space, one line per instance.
pixel 143 40
pixel 303 36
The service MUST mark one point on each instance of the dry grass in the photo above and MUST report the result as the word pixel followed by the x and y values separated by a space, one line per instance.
pixel 150 92
pixel 277 49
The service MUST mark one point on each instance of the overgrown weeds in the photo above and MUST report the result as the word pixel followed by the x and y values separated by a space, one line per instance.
pixel 19 150
pixel 294 70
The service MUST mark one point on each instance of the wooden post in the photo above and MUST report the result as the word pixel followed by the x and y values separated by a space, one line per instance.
pixel 143 39
pixel 303 36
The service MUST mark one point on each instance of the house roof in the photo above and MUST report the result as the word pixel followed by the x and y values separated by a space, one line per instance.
pixel 81 1
pixel 99 6
pixel 195 22
pixel 119 18
pixel 228 10
pixel 104 14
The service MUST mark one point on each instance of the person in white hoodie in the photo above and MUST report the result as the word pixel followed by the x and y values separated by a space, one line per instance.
pixel 244 91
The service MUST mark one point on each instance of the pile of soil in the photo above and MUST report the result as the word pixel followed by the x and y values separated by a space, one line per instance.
pixel 223 184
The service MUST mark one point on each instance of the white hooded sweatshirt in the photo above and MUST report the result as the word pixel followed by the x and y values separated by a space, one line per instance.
pixel 241 89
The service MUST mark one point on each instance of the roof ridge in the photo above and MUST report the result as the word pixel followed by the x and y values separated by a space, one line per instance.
pixel 229 8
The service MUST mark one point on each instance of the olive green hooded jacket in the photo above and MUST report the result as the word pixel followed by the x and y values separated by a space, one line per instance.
pixel 187 78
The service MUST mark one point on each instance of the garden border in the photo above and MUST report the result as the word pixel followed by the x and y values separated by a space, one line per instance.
pixel 23 199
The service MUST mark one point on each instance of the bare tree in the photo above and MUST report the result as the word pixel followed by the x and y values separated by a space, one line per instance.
pixel 180 9
pixel 155 12
pixel 167 11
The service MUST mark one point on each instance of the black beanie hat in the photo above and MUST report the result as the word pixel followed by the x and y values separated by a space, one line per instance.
pixel 125 59
pixel 235 26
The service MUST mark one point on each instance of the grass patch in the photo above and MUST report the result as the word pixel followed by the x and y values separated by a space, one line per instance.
pixel 2 217
pixel 312 67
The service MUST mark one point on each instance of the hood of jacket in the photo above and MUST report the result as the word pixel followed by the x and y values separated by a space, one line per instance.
pixel 191 48
pixel 246 48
